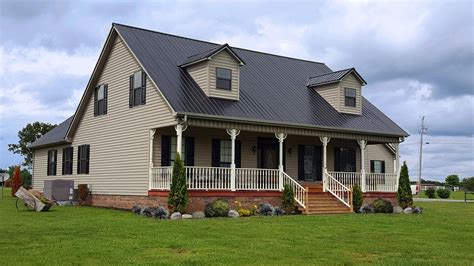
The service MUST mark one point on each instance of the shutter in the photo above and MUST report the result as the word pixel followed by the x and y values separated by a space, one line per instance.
pixel 238 154
pixel 337 159
pixel 352 156
pixel 372 166
pixel 383 167
pixel 88 148
pixel 143 87
pixel 165 150
pixel 189 146
pixel 55 161
pixel 64 162
pixel 300 162
pixel 106 91
pixel 71 151
pixel 216 150
pixel 130 93
pixel 48 167
pixel 96 106
pixel 78 159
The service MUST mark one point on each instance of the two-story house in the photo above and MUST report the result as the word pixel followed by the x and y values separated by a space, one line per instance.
pixel 245 123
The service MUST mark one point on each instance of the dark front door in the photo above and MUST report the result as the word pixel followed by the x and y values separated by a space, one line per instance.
pixel 309 163
pixel 267 153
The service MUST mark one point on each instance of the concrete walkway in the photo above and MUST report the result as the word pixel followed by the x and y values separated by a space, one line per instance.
pixel 438 200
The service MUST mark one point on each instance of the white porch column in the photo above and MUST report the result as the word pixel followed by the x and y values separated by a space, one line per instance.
pixel 325 141
pixel 180 128
pixel 233 135
pixel 396 163
pixel 150 171
pixel 362 144
pixel 281 138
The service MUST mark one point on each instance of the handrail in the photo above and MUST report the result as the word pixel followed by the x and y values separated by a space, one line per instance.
pixel 338 190
pixel 298 190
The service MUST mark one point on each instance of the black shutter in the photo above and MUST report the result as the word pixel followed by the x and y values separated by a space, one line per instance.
pixel 238 154
pixel 143 87
pixel 337 159
pixel 189 146
pixel 96 106
pixel 48 167
pixel 71 151
pixel 383 167
pixel 55 161
pixel 300 162
pixel 165 150
pixel 106 91
pixel 130 93
pixel 88 148
pixel 372 166
pixel 79 159
pixel 64 161
pixel 216 150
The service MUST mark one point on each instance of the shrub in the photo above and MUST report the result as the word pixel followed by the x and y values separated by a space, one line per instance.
pixel 468 184
pixel 16 182
pixel 244 212
pixel 443 193
pixel 146 211
pixel 430 193
pixel 136 209
pixel 278 211
pixel 357 198
pixel 265 209
pixel 288 199
pixel 366 208
pixel 404 196
pixel 160 213
pixel 382 206
pixel 84 192
pixel 178 197
pixel 217 208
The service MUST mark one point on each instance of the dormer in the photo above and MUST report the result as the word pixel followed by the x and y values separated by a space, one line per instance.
pixel 341 89
pixel 216 71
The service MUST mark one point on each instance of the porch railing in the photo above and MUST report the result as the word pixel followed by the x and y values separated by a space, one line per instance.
pixel 298 190
pixel 336 188
pixel 348 179
pixel 256 179
pixel 381 182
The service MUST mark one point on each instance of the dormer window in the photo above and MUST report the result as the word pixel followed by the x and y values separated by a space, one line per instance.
pixel 223 78
pixel 350 97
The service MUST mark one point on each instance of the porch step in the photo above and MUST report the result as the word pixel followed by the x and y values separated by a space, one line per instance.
pixel 320 202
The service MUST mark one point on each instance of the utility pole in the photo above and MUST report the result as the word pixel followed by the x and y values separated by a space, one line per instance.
pixel 423 130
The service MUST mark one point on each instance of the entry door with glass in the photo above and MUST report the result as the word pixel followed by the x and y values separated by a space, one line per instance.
pixel 309 163
pixel 267 153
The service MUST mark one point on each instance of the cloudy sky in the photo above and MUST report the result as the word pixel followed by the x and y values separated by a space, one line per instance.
pixel 417 58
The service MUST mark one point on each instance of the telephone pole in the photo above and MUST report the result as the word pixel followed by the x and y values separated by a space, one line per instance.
pixel 423 130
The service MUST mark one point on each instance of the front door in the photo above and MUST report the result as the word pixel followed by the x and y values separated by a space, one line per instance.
pixel 267 153
pixel 309 163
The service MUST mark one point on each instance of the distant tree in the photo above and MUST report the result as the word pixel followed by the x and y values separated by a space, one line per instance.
pixel 468 183
pixel 16 182
pixel 404 196
pixel 178 197
pixel 452 181
pixel 26 136
pixel 25 174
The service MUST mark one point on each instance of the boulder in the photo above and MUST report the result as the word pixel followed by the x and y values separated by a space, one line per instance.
pixel 186 216
pixel 233 214
pixel 417 210
pixel 198 215
pixel 397 209
pixel 408 210
pixel 175 216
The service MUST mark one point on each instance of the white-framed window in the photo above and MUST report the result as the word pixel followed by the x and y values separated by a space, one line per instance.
pixel 350 97
pixel 223 78
pixel 137 89
pixel 225 153
pixel 174 141
pixel 377 166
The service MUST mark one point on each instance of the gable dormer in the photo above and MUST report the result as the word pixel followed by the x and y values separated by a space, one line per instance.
pixel 341 89
pixel 216 71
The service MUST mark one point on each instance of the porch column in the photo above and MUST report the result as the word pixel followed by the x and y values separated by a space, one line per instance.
pixel 180 128
pixel 325 141
pixel 233 134
pixel 362 144
pixel 396 163
pixel 281 137
pixel 150 171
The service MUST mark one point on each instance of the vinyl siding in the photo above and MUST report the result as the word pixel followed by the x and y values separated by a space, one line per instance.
pixel 119 140
pixel 224 60
pixel 330 93
pixel 382 153
pixel 200 74
pixel 350 82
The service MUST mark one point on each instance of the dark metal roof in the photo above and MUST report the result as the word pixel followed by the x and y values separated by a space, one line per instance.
pixel 332 77
pixel 55 135
pixel 209 53
pixel 272 87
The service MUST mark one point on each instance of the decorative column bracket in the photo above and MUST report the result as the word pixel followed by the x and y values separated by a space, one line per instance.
pixel 325 141
pixel 233 133
pixel 281 138
pixel 362 144
pixel 180 128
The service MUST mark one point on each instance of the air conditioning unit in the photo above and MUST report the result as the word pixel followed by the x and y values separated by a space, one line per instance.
pixel 59 190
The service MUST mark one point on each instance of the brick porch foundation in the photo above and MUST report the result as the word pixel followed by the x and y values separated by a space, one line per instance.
pixel 369 197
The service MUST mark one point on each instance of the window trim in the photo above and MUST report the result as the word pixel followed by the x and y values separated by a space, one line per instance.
pixel 97 101
pixel 221 162
pixel 382 166
pixel 132 90
pixel 229 79
pixel 83 162
pixel 346 97
pixel 68 164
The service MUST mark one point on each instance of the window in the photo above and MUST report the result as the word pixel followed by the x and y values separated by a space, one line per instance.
pixel 52 157
pixel 168 150
pixel 137 94
pixel 350 97
pixel 174 140
pixel 100 100
pixel 225 157
pixel 344 160
pixel 83 154
pixel 377 167
pixel 222 153
pixel 67 161
pixel 223 78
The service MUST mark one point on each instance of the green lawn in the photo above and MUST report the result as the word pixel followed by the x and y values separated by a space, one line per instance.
pixel 456 195
pixel 86 235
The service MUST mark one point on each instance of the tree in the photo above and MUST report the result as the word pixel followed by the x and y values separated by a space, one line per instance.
pixel 357 198
pixel 288 199
pixel 27 135
pixel 16 182
pixel 178 197
pixel 404 196
pixel 452 180
pixel 25 174
pixel 468 183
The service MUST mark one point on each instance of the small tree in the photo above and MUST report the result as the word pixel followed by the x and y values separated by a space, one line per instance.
pixel 288 199
pixel 357 197
pixel 452 181
pixel 16 182
pixel 468 184
pixel 178 197
pixel 404 196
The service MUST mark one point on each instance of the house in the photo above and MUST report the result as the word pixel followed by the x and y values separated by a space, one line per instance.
pixel 246 123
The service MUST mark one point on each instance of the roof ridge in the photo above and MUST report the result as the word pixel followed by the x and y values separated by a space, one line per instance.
pixel 204 51
pixel 331 72
pixel 196 40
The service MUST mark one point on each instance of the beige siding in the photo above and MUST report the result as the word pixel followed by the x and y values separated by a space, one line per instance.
pixel 119 140
pixel 382 153
pixel 330 93
pixel 351 82
pixel 200 74
pixel 224 60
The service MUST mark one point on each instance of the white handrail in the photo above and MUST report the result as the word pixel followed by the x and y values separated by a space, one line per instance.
pixel 298 190
pixel 348 179
pixel 341 192
pixel 256 179
pixel 381 182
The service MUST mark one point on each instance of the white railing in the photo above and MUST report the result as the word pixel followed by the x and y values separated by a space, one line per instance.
pixel 381 182
pixel 341 192
pixel 208 178
pixel 161 177
pixel 298 190
pixel 256 179
pixel 348 179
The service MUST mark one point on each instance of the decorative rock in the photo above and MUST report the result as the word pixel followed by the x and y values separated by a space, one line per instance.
pixel 186 216
pixel 408 210
pixel 175 216
pixel 233 214
pixel 198 215
pixel 417 210
pixel 397 210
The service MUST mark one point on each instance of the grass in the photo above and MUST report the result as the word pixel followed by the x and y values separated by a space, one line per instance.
pixel 455 195
pixel 87 235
